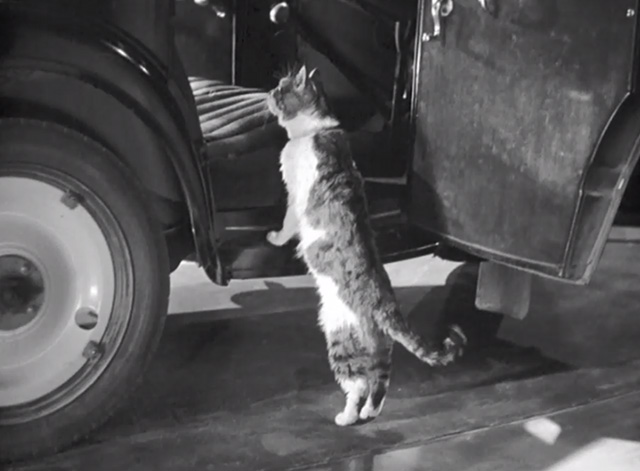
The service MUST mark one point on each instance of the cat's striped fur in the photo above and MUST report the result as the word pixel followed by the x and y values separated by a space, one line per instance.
pixel 327 211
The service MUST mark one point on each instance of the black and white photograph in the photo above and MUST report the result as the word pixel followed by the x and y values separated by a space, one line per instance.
pixel 319 235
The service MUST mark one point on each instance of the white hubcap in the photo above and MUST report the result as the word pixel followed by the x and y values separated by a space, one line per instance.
pixel 56 288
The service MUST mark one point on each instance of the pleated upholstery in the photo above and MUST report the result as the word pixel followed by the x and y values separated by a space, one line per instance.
pixel 233 119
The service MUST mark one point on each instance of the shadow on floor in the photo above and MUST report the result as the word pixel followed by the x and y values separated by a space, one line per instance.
pixel 204 367
pixel 586 326
pixel 256 393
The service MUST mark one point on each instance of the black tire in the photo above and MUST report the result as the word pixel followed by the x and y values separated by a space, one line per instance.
pixel 113 196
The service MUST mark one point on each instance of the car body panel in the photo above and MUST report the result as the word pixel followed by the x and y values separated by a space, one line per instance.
pixel 509 111
pixel 117 64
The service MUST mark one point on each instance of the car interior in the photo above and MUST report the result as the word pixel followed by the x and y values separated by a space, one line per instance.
pixel 234 51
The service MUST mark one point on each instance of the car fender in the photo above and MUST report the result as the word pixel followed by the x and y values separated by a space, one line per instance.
pixel 101 80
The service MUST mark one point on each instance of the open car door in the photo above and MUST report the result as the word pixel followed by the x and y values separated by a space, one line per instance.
pixel 526 128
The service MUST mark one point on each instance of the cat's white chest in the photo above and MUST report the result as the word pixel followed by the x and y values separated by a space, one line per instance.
pixel 299 166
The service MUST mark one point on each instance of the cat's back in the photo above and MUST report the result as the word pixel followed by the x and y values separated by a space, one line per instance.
pixel 331 147
pixel 338 179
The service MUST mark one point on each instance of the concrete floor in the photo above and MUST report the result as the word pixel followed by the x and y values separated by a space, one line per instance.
pixel 241 383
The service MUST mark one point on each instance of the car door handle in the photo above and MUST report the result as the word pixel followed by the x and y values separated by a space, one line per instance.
pixel 489 6
pixel 220 7
pixel 439 9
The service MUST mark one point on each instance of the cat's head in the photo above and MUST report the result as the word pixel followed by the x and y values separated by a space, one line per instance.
pixel 297 94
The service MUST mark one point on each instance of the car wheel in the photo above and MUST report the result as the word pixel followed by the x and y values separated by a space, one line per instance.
pixel 84 284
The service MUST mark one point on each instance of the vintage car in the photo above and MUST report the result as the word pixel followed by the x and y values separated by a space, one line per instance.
pixel 134 135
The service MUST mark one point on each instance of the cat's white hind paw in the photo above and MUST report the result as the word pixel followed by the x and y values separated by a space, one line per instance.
pixel 368 412
pixel 343 419
pixel 275 238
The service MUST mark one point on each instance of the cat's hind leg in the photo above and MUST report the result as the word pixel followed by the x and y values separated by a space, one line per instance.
pixel 373 406
pixel 356 390
pixel 380 376
pixel 348 356
pixel 349 364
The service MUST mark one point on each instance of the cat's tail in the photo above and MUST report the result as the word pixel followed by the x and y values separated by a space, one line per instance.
pixel 430 352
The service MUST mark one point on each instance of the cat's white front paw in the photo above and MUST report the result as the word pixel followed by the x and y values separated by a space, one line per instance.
pixel 276 238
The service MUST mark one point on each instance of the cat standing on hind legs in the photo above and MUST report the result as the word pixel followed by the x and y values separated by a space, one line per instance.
pixel 327 212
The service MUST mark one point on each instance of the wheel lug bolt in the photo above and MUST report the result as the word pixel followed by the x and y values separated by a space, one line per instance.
pixel 92 350
pixel 25 269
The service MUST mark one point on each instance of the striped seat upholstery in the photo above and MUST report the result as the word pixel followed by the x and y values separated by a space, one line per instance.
pixel 234 120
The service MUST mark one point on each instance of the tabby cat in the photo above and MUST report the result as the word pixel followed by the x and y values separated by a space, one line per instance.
pixel 327 212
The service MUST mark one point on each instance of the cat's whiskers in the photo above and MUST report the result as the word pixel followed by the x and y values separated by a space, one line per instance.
pixel 287 70
pixel 268 115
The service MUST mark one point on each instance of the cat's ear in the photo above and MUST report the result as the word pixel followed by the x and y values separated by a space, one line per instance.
pixel 315 81
pixel 301 77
